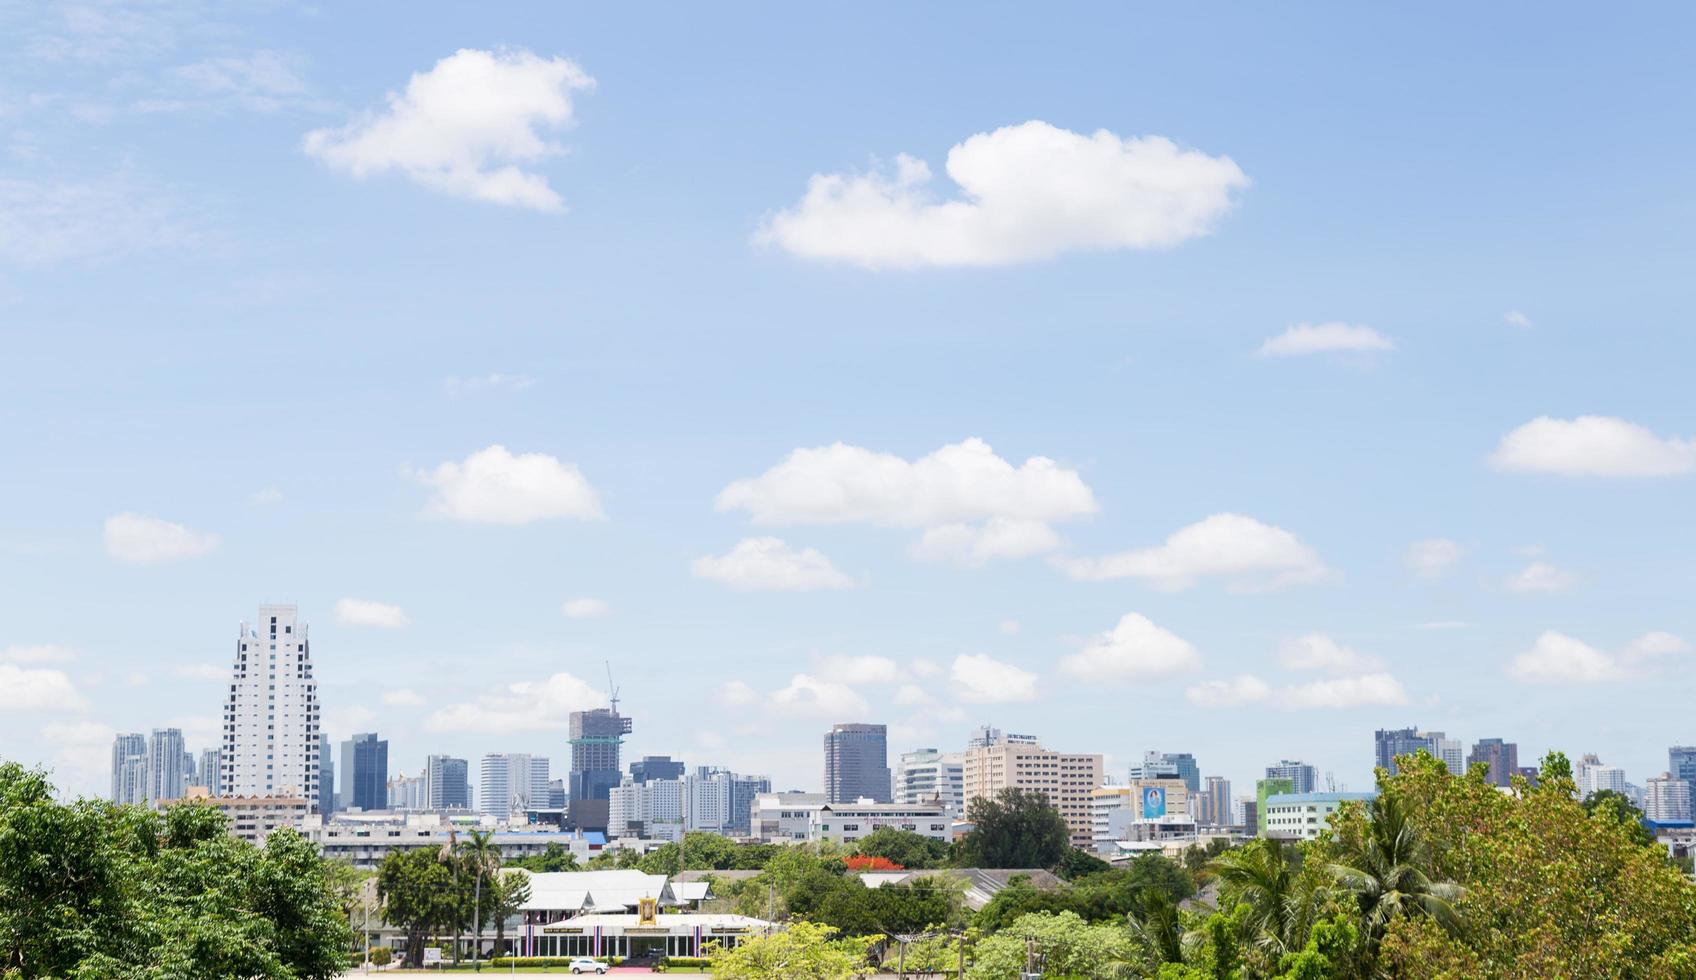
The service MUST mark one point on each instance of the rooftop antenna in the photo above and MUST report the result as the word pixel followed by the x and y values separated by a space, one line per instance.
pixel 612 688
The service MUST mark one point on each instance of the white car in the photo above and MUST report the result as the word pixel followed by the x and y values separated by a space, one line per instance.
pixel 584 964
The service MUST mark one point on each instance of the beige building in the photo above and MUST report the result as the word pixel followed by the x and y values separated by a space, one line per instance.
pixel 252 818
pixel 1112 807
pixel 1020 762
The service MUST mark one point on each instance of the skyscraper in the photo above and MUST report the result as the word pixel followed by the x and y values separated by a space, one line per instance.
pixel 596 740
pixel 856 764
pixel 511 784
pixel 1667 799
pixel 123 748
pixel 364 772
pixel 1168 765
pixel 1502 758
pixel 271 714
pixel 209 771
pixel 655 767
pixel 1448 750
pixel 1300 774
pixel 927 774
pixel 326 776
pixel 1214 808
pixel 1681 762
pixel 165 777
pixel 1392 742
pixel 448 782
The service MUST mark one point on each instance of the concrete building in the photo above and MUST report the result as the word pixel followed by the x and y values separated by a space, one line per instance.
pixel 1114 809
pixel 784 816
pixel 927 775
pixel 1264 789
pixel 656 767
pixel 719 801
pixel 1213 807
pixel 271 713
pixel 1388 743
pixel 623 914
pixel 1666 799
pixel 856 763
pixel 1449 751
pixel 1300 774
pixel 1301 816
pixel 512 784
pixel 408 793
pixel 364 772
pixel 1681 762
pixel 253 818
pixel 165 777
pixel 597 740
pixel 365 839
pixel 210 771
pixel 127 787
pixel 447 783
pixel 1502 758
pixel 653 810
pixel 1168 765
pixel 326 776
pixel 1592 777
pixel 845 823
pixel 1020 762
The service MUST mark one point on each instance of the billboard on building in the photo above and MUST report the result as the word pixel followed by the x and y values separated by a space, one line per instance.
pixel 1153 802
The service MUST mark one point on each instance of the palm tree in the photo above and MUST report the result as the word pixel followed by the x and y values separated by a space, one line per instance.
pixel 512 890
pixel 482 858
pixel 448 856
pixel 1389 873
pixel 1262 874
pixel 1157 929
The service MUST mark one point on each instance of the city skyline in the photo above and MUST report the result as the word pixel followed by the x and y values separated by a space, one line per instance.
pixel 1372 412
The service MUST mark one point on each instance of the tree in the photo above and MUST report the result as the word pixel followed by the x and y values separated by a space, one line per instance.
pixel 482 858
pixel 419 897
pixel 1389 869
pixel 1076 863
pixel 1261 877
pixel 903 847
pixel 1064 944
pixel 511 891
pixel 802 951
pixel 1016 829
pixel 555 857
pixel 1617 809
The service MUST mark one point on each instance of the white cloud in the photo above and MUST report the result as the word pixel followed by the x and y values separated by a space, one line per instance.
pixel 203 671
pixel 925 668
pixel 37 689
pixel 860 669
pixel 1028 191
pixel 1345 692
pixel 1540 576
pixel 364 612
pixel 526 706
pixel 41 653
pixel 820 700
pixel 263 81
pixel 911 695
pixel 1010 627
pixel 1248 554
pixel 1432 557
pixel 736 694
pixel 82 754
pixel 494 381
pixel 981 679
pixel 584 607
pixel 1325 338
pixel 1235 692
pixel 1592 445
pixel 492 486
pixel 1514 318
pixel 145 540
pixel 768 564
pixel 464 128
pixel 403 697
pixel 1133 650
pixel 1556 658
pixel 43 222
pixel 1316 651
pixel 998 537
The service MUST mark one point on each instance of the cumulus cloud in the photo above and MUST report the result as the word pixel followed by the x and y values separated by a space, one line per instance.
pixel 584 607
pixel 364 612
pixel 769 564
pixel 862 669
pixel 403 697
pixel 1514 318
pixel 1234 692
pixel 1366 690
pixel 525 706
pixel 1316 651
pixel 1432 557
pixel 41 653
pixel 465 128
pixel 1540 576
pixel 1592 445
pixel 1029 191
pixel 998 537
pixel 813 698
pixel 981 679
pixel 144 540
pixel 493 486
pixel 37 689
pixel 1556 658
pixel 1325 338
pixel 1247 554
pixel 735 694
pixel 1133 650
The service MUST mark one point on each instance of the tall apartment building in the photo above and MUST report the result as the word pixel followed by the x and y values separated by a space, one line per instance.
pixel 927 775
pixel 364 772
pixel 124 748
pixel 271 713
pixel 1168 765
pixel 1214 803
pixel 1594 777
pixel 1020 762
pixel 1449 751
pixel 165 777
pixel 1667 799
pixel 652 809
pixel 447 783
pixel 597 738
pixel 1300 774
pixel 720 801
pixel 408 793
pixel 512 784
pixel 1388 743
pixel 1502 758
pixel 327 803
pixel 856 764
pixel 210 770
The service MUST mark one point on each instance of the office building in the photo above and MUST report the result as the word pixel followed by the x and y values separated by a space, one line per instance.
pixel 556 795
pixel 1681 762
pixel 364 772
pixel 784 816
pixel 253 818
pixel 1020 762
pixel 1449 751
pixel 447 783
pixel 124 748
pixel 1300 774
pixel 1666 799
pixel 1392 742
pixel 408 792
pixel 653 809
pixel 209 771
pixel 927 775
pixel 326 777
pixel 271 713
pixel 1115 810
pixel 856 764
pixel 655 767
pixel 983 737
pixel 189 772
pixel 512 784
pixel 597 739
pixel 1214 803
pixel 845 823
pixel 719 801
pixel 1264 789
pixel 165 777
pixel 1168 765
pixel 1301 816
pixel 1502 758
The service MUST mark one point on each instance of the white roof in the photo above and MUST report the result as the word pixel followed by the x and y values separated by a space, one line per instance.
pixel 691 891
pixel 573 891
pixel 665 920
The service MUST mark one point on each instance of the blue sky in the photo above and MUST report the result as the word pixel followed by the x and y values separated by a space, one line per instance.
pixel 263 347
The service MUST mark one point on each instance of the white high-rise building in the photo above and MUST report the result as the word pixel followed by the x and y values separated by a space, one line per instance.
pixel 1667 799
pixel 271 716
pixel 928 775
pixel 652 810
pixel 1448 751
pixel 512 783
pixel 165 777
pixel 124 747
pixel 209 771
pixel 132 780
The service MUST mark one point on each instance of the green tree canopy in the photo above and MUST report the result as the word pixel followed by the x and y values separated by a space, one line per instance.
pixel 904 847
pixel 1016 829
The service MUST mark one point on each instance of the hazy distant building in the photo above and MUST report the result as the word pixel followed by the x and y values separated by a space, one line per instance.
pixel 364 772
pixel 1667 799
pixel 927 775
pixel 447 783
pixel 720 801
pixel 1168 765
pixel 326 776
pixel 856 764
pixel 1449 751
pixel 408 793
pixel 597 738
pixel 1681 763
pixel 655 767
pixel 129 783
pixel 512 784
pixel 1300 774
pixel 1213 804
pixel 271 713
pixel 653 809
pixel 165 777
pixel 209 770
pixel 1388 743
pixel 1502 758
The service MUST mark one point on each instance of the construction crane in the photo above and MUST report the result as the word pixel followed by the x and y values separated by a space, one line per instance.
pixel 612 688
